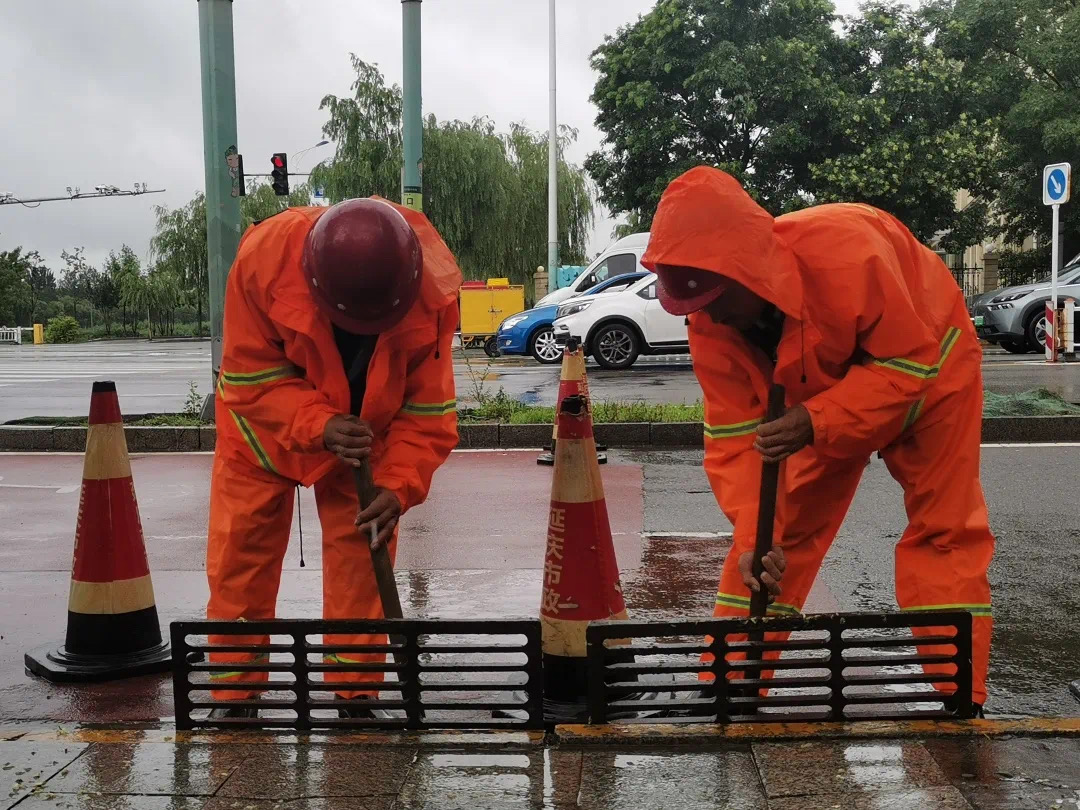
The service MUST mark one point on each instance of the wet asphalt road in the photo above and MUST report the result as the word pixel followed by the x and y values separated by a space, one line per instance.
pixel 475 550
pixel 155 377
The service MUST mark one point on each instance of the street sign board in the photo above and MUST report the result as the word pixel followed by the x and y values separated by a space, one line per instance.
pixel 1057 182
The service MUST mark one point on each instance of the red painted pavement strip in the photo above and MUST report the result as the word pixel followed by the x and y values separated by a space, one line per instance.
pixel 485 510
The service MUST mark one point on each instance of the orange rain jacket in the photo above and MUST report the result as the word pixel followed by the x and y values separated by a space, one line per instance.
pixel 282 377
pixel 872 314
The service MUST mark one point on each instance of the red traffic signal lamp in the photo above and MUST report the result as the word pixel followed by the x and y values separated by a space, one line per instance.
pixel 279 173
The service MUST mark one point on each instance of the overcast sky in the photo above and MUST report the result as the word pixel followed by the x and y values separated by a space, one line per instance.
pixel 108 91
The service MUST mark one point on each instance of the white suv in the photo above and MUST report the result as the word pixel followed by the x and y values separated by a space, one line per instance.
pixel 616 328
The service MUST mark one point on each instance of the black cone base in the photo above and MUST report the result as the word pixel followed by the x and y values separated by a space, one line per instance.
pixel 566 689
pixel 60 666
pixel 547 458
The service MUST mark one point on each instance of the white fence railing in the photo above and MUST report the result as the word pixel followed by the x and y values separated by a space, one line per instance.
pixel 10 335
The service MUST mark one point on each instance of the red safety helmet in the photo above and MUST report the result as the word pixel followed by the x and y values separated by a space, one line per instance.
pixel 364 265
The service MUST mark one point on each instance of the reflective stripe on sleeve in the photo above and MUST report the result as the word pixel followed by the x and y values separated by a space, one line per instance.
pixel 260 377
pixel 430 408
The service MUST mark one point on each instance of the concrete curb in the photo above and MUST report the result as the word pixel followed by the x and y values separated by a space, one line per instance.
pixel 23 439
pixel 645 734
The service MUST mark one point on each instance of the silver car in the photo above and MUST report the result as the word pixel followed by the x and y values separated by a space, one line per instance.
pixel 1015 317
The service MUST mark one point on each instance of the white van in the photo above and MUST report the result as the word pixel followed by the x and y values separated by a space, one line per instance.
pixel 622 257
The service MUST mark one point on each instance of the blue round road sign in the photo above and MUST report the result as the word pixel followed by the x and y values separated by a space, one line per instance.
pixel 1055 185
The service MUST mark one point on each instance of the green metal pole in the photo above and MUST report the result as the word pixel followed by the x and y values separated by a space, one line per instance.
pixel 219 145
pixel 412 125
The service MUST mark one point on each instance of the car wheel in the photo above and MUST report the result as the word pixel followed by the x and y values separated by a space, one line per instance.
pixel 1035 331
pixel 491 347
pixel 1015 346
pixel 543 348
pixel 616 346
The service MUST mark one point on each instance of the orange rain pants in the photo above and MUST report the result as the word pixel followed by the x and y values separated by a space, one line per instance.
pixel 253 517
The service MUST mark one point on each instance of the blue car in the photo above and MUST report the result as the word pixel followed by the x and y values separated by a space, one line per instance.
pixel 530 332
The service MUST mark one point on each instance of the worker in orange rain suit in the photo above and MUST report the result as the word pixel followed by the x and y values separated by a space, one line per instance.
pixel 338 324
pixel 869 334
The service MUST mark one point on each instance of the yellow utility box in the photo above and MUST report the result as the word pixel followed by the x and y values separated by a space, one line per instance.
pixel 39 334
pixel 485 305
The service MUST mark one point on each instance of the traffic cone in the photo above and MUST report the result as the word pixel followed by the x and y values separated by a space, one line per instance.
pixel 572 381
pixel 581 574
pixel 112 625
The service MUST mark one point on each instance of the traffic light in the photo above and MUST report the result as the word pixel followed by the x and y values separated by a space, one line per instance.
pixel 279 175
pixel 241 190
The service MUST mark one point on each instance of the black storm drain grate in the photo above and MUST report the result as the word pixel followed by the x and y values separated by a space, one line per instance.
pixel 434 674
pixel 831 667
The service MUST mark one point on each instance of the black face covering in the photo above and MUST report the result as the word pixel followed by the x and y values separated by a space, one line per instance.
pixel 766 331
pixel 356 352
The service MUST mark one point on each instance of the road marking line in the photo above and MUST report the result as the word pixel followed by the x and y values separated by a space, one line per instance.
pixel 687 535
pixel 1032 444
pixel 61 490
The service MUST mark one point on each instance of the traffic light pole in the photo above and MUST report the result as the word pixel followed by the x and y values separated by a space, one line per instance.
pixel 219 143
pixel 553 153
pixel 412 116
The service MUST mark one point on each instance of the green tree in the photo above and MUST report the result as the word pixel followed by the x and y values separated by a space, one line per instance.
pixel 749 86
pixel 1022 60
pixel 261 202
pixel 118 267
pixel 484 190
pixel 42 284
pixel 909 140
pixel 77 281
pixel 15 292
pixel 180 246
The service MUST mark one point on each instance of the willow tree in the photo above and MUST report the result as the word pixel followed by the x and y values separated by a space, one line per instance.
pixel 180 247
pixel 485 190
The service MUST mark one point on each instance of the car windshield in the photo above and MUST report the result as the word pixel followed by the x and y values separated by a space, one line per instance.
pixel 1068 275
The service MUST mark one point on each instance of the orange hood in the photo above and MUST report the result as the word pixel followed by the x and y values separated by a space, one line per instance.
pixel 707 220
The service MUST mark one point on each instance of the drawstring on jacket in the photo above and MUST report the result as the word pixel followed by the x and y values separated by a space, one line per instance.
pixel 438 332
pixel 300 525
pixel 802 346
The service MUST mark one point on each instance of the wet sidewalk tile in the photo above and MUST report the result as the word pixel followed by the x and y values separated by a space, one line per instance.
pixel 936 798
pixel 471 780
pixel 723 779
pixel 74 801
pixel 150 768
pixel 1012 774
pixel 26 766
pixel 837 769
pixel 280 772
pixel 351 803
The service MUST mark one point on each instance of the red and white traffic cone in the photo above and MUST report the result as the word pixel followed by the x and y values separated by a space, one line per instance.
pixel 112 623
pixel 581 574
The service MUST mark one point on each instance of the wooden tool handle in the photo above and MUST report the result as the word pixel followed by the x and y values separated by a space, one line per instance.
pixel 380 559
pixel 770 477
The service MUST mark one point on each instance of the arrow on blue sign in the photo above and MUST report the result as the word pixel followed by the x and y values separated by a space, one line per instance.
pixel 1055 184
